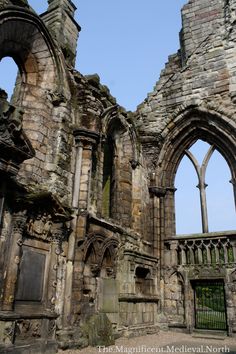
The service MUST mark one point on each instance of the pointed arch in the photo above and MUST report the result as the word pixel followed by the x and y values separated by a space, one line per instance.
pixel 191 125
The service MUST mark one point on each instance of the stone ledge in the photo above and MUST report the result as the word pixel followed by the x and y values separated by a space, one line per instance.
pixel 6 316
pixel 133 298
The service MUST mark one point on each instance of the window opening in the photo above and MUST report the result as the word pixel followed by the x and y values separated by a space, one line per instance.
pixel 207 162
pixel 188 213
pixel 220 199
pixel 8 75
pixel 107 177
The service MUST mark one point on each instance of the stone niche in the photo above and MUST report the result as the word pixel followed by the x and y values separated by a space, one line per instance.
pixel 143 282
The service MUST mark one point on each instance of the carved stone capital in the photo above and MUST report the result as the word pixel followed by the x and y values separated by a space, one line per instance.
pixel 19 222
pixel 86 136
pixel 157 191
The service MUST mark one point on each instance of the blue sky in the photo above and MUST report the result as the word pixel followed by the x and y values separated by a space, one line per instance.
pixel 127 42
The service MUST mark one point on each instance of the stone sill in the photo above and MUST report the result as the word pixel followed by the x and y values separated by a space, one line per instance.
pixel 12 315
pixel 133 298
pixel 177 325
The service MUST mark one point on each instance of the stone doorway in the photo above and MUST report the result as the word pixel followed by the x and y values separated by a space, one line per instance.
pixel 210 305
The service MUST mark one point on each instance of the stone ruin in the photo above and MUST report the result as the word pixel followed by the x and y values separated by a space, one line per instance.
pixel 88 244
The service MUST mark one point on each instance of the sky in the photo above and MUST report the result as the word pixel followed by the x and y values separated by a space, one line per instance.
pixel 127 43
pixel 219 193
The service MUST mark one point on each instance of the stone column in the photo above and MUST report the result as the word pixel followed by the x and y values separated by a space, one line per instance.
pixel 57 233
pixel 169 209
pixel 173 252
pixel 85 140
pixel 85 182
pixel 136 198
pixel 234 249
pixel 158 195
pixel 19 221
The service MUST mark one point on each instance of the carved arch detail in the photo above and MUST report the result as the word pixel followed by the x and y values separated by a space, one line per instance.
pixel 101 245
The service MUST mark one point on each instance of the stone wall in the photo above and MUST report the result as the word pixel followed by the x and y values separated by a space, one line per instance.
pixel 103 237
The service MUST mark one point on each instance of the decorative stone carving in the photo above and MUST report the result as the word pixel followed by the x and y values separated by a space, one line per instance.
pixel 28 329
pixel 56 97
pixel 100 253
pixel 15 146
pixel 19 222
pixel 10 120
pixel 39 226
pixel 51 328
pixel 6 332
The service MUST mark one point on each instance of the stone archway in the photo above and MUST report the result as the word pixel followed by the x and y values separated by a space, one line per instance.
pixel 192 125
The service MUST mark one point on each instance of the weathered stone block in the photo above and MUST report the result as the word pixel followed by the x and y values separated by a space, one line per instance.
pixel 98 330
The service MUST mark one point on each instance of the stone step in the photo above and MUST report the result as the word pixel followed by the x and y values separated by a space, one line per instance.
pixel 209 334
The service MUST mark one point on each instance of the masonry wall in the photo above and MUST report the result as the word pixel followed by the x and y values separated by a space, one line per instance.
pixel 130 252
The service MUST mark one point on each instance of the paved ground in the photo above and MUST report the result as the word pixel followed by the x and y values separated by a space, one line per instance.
pixel 164 342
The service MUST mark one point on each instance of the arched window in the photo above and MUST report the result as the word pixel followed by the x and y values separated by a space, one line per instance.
pixel 107 183
pixel 8 75
pixel 213 201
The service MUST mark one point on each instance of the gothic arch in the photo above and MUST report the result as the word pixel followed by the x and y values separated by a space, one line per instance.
pixel 195 124
pixel 100 244
pixel 188 127
pixel 112 119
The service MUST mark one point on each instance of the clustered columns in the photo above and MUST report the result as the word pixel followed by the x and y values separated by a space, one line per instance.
pixel 85 141
pixel 158 195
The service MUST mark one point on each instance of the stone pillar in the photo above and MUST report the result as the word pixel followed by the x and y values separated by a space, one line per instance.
pixel 85 183
pixel 234 249
pixel 157 195
pixel 19 221
pixel 169 209
pixel 136 198
pixel 58 232
pixel 173 252
pixel 85 140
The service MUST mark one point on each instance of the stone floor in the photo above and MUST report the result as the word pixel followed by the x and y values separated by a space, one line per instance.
pixel 166 342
